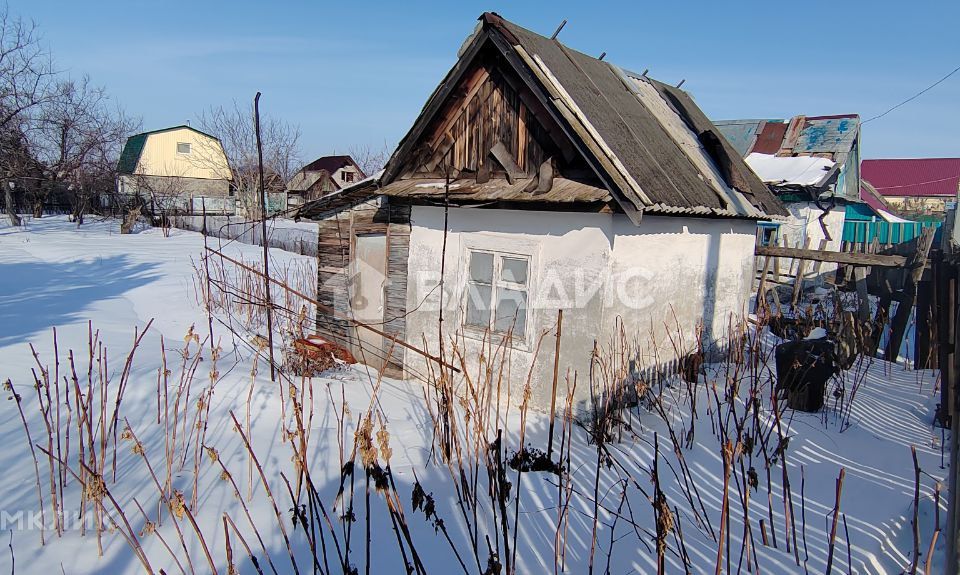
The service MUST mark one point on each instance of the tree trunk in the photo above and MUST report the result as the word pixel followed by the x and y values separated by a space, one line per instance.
pixel 11 208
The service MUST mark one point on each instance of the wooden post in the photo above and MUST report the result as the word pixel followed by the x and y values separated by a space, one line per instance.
pixel 553 394
pixel 898 326
pixel 817 265
pixel 922 339
pixel 798 281
pixel 776 265
pixel 762 288
pixel 863 309
pixel 266 244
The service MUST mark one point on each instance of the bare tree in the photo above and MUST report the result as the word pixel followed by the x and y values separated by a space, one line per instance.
pixel 164 197
pixel 281 150
pixel 26 72
pixel 371 159
pixel 76 134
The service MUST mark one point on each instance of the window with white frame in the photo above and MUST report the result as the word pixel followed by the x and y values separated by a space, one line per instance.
pixel 183 147
pixel 496 292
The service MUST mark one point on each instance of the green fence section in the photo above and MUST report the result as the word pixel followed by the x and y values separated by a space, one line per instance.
pixel 276 203
pixel 886 232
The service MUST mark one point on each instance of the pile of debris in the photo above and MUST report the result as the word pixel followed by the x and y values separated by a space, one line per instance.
pixel 312 355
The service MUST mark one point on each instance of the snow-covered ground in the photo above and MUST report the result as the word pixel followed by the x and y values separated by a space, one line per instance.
pixel 53 274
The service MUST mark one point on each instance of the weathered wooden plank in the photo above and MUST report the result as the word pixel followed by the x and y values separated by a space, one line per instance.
pixel 762 288
pixel 890 261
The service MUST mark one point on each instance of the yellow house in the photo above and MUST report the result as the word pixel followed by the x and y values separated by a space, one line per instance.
pixel 177 167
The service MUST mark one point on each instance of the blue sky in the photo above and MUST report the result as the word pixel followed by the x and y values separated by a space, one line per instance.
pixel 357 73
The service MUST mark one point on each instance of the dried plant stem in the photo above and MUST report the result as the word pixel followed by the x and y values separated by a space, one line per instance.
pixel 100 486
pixel 163 541
pixel 250 555
pixel 836 514
pixel 266 486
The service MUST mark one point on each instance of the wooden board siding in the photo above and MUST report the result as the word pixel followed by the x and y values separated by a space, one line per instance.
pixel 488 107
pixel 335 252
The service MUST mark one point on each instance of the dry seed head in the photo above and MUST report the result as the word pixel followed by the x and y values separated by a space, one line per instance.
pixel 213 454
pixel 224 475
pixel 138 448
pixel 364 439
pixel 126 434
pixel 148 529
pixel 260 342
pixel 383 440
pixel 94 489
pixel 177 505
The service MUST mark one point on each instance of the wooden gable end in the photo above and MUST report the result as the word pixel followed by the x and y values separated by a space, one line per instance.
pixel 490 124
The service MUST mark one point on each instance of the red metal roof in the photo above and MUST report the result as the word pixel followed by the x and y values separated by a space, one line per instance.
pixel 913 177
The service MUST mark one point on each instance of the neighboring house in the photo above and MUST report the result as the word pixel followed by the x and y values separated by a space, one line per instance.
pixel 919 188
pixel 322 176
pixel 812 163
pixel 538 178
pixel 181 168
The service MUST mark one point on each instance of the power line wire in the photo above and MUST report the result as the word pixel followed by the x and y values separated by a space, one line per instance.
pixel 914 97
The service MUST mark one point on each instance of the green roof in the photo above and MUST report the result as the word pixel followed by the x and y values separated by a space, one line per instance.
pixel 130 156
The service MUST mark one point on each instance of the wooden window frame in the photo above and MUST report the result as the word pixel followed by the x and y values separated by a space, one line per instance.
pixel 499 248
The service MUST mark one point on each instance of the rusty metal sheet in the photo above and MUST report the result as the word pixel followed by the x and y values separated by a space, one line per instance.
pixel 770 138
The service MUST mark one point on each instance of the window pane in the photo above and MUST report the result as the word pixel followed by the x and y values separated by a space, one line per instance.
pixel 478 305
pixel 511 311
pixel 183 148
pixel 514 270
pixel 481 267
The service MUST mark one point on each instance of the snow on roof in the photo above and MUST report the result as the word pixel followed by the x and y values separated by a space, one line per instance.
pixel 888 217
pixel 799 170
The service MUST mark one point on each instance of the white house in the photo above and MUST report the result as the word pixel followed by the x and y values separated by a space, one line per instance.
pixel 536 179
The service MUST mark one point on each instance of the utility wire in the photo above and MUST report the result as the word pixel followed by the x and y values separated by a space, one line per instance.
pixel 914 97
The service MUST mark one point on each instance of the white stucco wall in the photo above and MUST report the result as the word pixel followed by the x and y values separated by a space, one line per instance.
pixel 597 267
pixel 804 223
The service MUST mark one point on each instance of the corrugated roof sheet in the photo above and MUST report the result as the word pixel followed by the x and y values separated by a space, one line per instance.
pixel 635 128
pixel 915 177
pixel 770 137
pixel 828 134
pixel 742 134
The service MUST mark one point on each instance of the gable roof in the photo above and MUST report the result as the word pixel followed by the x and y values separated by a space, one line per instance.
pixel 133 148
pixel 917 177
pixel 331 164
pixel 309 175
pixel 649 143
